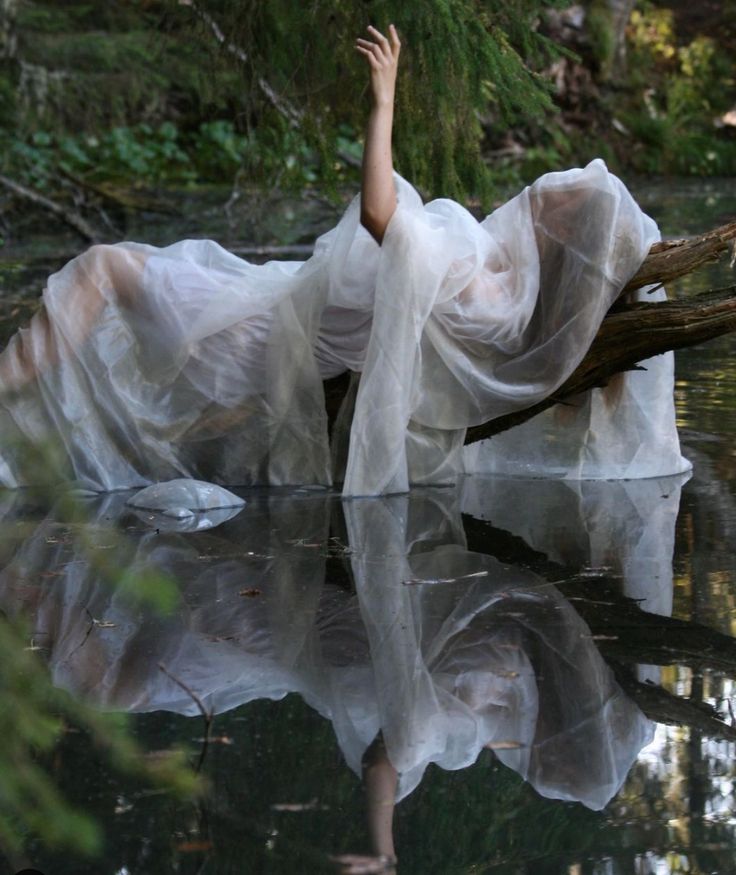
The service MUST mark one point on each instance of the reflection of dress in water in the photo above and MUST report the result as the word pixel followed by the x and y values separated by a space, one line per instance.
pixel 441 650
pixel 148 364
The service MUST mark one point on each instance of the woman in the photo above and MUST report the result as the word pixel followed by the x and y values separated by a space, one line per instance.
pixel 147 364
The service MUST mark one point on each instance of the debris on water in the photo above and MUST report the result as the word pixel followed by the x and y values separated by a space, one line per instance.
pixel 215 739
pixel 194 847
pixel 312 805
pixel 416 581
pixel 122 806
pixel 595 571
pixel 362 864
pixel 250 593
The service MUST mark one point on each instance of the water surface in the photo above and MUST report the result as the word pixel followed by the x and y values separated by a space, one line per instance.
pixel 495 642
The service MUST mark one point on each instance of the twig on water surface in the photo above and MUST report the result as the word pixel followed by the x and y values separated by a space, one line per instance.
pixel 207 714
pixel 417 581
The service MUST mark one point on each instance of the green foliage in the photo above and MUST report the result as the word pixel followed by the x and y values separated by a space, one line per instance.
pixel 460 57
pixel 34 718
pixel 168 94
pixel 600 33
pixel 685 88
pixel 90 67
pixel 148 155
pixel 7 101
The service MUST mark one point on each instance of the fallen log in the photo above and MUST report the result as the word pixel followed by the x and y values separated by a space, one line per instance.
pixel 628 335
pixel 672 259
pixel 632 331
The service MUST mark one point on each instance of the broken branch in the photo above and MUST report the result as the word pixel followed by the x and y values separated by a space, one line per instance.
pixel 74 220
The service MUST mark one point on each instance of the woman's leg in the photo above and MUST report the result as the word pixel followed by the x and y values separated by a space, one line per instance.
pixel 99 276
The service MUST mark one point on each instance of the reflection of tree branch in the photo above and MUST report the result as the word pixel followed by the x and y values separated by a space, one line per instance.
pixel 624 632
pixel 664 707
pixel 630 634
pixel 206 714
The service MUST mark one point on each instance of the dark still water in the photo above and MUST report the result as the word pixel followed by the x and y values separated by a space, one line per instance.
pixel 540 672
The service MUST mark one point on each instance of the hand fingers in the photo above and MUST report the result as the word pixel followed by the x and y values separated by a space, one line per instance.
pixel 377 49
pixel 395 41
pixel 380 45
pixel 371 49
pixel 372 59
pixel 379 36
pixel 374 49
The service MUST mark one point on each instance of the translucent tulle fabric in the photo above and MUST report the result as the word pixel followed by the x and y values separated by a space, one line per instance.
pixel 152 364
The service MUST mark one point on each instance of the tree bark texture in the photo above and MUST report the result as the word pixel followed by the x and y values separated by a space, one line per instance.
pixel 620 12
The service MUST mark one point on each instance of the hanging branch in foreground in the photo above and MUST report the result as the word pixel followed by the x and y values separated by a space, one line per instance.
pixel 293 115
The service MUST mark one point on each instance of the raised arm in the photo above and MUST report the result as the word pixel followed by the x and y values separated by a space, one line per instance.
pixel 378 194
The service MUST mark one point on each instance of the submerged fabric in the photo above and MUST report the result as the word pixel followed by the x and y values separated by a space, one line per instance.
pixel 152 364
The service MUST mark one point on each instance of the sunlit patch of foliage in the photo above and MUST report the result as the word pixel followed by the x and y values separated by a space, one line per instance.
pixel 683 89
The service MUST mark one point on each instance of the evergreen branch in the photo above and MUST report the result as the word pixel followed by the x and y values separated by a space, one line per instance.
pixel 284 107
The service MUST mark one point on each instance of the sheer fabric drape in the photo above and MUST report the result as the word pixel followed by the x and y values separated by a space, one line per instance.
pixel 187 361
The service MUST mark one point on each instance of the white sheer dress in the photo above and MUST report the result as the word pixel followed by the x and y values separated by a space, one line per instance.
pixel 148 364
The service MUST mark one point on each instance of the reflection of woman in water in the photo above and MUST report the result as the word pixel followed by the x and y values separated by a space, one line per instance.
pixel 147 364
pixel 432 654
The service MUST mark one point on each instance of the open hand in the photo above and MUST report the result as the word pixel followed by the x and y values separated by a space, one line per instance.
pixel 383 58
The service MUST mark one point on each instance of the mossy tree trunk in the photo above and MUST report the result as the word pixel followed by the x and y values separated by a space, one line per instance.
pixel 620 12
pixel 8 10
